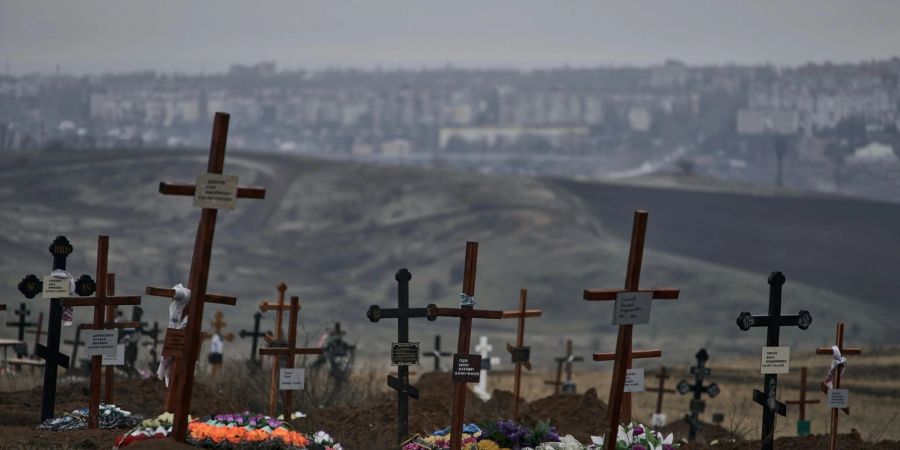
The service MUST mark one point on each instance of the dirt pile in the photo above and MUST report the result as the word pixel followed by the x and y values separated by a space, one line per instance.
pixel 580 415
pixel 710 432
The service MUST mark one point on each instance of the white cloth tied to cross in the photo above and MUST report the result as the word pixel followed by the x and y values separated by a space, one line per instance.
pixel 838 363
pixel 68 312
pixel 178 321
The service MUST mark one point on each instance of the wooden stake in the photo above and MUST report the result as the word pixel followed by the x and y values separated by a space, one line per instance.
pixel 839 342
pixel 524 353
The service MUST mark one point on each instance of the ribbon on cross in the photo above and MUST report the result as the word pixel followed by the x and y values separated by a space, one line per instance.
pixel 466 300
pixel 838 363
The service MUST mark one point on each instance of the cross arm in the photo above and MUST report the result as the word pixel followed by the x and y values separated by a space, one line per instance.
pixel 291 351
pixel 638 354
pixel 798 402
pixel 745 321
pixel 375 313
pixel 762 399
pixel 208 298
pixel 266 307
pixel 844 351
pixel 472 313
pixel 189 190
pixel 653 389
pixel 110 325
pixel 102 301
pixel 410 390
pixel 610 294
pixel 517 313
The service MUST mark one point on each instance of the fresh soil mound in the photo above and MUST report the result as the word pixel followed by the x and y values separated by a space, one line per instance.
pixel 580 415
pixel 708 433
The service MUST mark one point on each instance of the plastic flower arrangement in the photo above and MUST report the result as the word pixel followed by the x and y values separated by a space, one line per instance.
pixel 157 428
pixel 441 438
pixel 504 435
pixel 635 436
pixel 111 416
pixel 237 429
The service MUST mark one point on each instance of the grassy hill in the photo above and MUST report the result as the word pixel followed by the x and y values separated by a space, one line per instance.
pixel 337 232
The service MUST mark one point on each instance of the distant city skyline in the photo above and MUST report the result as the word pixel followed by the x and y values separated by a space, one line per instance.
pixel 205 36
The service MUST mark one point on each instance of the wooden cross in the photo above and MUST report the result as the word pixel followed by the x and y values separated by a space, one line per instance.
pixel 700 372
pixel 802 425
pixel 466 313
pixel 437 354
pixel 75 343
pixel 254 335
pixel 275 341
pixel 31 286
pixel 663 375
pixel 402 313
pixel 521 355
pixel 38 330
pixel 22 322
pixel 217 323
pixel 100 301
pixel 199 275
pixel 773 323
pixel 566 361
pixel 289 352
pixel 153 333
pixel 839 343
pixel 620 401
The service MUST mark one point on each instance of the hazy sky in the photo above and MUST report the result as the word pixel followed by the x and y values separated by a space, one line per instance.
pixel 90 36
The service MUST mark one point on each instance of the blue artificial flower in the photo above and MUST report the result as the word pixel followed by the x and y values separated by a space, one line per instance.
pixel 471 428
pixel 442 432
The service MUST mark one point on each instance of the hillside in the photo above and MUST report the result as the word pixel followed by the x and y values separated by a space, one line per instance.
pixel 337 232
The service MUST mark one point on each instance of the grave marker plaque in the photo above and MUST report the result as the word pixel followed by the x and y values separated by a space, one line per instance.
pixel 466 368
pixel 404 353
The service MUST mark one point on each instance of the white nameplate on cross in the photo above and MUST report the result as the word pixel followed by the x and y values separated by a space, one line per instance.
pixel 292 379
pixel 775 360
pixel 101 342
pixel 55 287
pixel 632 308
pixel 838 398
pixel 116 360
pixel 216 191
pixel 634 380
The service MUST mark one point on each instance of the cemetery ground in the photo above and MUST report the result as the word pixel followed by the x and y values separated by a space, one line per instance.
pixel 362 416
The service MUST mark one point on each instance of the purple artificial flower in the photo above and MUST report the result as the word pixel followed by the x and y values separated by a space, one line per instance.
pixel 638 447
pixel 638 430
pixel 668 447
pixel 274 423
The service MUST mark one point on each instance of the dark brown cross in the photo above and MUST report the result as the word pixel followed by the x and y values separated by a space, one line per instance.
pixel 101 299
pixel 199 275
pixel 217 323
pixel 521 355
pixel 109 371
pixel 803 400
pixel 38 330
pixel 289 352
pixel 153 334
pixel 22 322
pixel 839 342
pixel 466 313
pixel 620 401
pixel 663 375
pixel 278 339
pixel 566 361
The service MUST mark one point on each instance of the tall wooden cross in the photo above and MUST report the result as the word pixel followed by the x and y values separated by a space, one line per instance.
pixel 153 334
pixel 31 286
pixel 619 400
pixel 290 351
pixel 254 338
pixel 217 324
pixel 436 353
pixel 466 312
pixel 773 323
pixel 199 275
pixel 275 341
pixel 700 372
pixel 836 382
pixel 403 352
pixel 663 375
pixel 803 425
pixel 38 331
pixel 21 323
pixel 521 355
pixel 566 362
pixel 99 302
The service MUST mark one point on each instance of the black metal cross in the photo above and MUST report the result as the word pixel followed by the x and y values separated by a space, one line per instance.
pixel 437 354
pixel 402 313
pixel 255 334
pixel 21 324
pixel 75 343
pixel 153 333
pixel 31 286
pixel 773 323
pixel 700 372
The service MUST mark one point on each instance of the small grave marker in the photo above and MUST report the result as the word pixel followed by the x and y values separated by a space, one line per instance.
pixel 21 324
pixel 521 355
pixel 803 425
pixel 838 399
pixel 437 353
pixel 566 362
pixel 698 406
pixel 254 338
pixel 659 419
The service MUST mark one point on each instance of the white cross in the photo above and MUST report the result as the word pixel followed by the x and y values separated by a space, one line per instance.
pixel 484 349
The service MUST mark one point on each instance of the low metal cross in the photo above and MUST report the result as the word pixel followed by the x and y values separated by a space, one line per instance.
pixel 402 313
pixel 803 426
pixel 153 333
pixel 773 323
pixel 254 338
pixel 103 298
pixel 836 383
pixel 290 351
pixel 619 400
pixel 30 287
pixel 21 324
pixel 566 362
pixel 521 355
pixel 466 313
pixel 700 372
pixel 436 353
